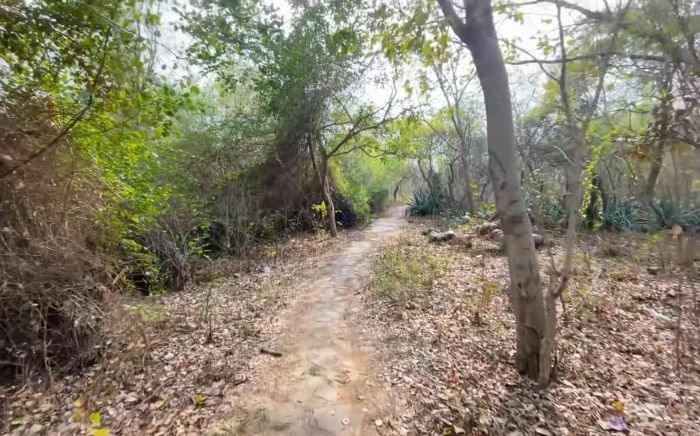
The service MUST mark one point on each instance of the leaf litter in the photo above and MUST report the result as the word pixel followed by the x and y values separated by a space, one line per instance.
pixel 173 361
pixel 448 352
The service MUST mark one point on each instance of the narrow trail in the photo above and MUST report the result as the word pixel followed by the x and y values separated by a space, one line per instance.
pixel 319 386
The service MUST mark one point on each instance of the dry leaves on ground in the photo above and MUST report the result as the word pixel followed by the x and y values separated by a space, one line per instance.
pixel 449 351
pixel 173 361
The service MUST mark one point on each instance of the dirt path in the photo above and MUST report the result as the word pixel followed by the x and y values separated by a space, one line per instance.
pixel 319 386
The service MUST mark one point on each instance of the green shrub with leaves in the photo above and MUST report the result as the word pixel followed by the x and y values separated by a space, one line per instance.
pixel 621 215
pixel 553 212
pixel 691 220
pixel 663 214
pixel 426 202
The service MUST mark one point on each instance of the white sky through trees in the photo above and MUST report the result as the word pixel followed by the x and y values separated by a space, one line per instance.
pixel 526 80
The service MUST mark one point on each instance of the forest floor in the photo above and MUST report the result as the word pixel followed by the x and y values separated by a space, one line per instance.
pixel 442 313
pixel 264 346
pixel 380 332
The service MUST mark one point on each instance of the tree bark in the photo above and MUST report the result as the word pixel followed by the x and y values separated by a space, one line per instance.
pixel 654 171
pixel 468 191
pixel 328 198
pixel 479 35
pixel 323 180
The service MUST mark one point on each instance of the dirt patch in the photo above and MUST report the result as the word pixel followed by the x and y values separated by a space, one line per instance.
pixel 320 384
pixel 449 350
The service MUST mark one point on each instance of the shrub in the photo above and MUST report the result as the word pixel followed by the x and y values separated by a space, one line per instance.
pixel 621 215
pixel 663 214
pixel 379 200
pixel 54 277
pixel 346 214
pixel 691 220
pixel 553 212
pixel 426 202
pixel 402 274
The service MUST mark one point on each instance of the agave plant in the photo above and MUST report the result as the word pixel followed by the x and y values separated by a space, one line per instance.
pixel 426 202
pixel 691 220
pixel 664 214
pixel 621 215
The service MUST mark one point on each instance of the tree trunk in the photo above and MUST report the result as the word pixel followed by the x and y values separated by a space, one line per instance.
pixel 656 164
pixel 398 187
pixel 525 286
pixel 328 198
pixel 323 180
pixel 468 192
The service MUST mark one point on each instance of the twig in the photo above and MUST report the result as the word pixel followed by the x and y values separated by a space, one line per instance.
pixel 270 352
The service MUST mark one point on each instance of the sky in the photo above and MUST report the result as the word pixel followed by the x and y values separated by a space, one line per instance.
pixel 526 80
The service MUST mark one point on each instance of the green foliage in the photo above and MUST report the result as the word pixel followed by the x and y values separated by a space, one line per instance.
pixel 427 202
pixel 553 212
pixel 379 200
pixel 691 220
pixel 366 181
pixel 621 215
pixel 663 214
pixel 320 209
pixel 485 211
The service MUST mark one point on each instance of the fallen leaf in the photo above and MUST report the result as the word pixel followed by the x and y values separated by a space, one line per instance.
pixel 199 399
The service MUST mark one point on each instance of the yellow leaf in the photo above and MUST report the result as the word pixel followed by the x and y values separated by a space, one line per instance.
pixel 95 418
pixel 102 431
pixel 79 402
pixel 618 406
pixel 199 399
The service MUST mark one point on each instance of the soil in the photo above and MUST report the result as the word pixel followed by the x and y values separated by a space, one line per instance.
pixel 320 385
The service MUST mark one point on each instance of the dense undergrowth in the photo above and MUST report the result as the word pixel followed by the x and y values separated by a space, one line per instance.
pixel 116 179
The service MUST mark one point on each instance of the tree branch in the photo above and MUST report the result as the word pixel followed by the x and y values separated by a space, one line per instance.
pixel 76 118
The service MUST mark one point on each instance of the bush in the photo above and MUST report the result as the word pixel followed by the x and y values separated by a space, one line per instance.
pixel 621 215
pixel 426 202
pixel 691 220
pixel 553 212
pixel 345 213
pixel 54 277
pixel 379 201
pixel 402 274
pixel 663 214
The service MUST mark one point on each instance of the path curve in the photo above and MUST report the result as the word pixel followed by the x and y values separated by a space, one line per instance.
pixel 320 386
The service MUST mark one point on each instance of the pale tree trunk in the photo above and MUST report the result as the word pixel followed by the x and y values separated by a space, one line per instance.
pixel 654 171
pixel 323 180
pixel 469 192
pixel 525 286
pixel 328 198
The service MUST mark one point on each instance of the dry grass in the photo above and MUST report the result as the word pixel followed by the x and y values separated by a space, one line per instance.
pixel 53 283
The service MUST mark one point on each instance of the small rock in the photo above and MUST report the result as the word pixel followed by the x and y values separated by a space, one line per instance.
pixel 345 421
pixel 653 270
pixel 379 423
pixel 35 429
